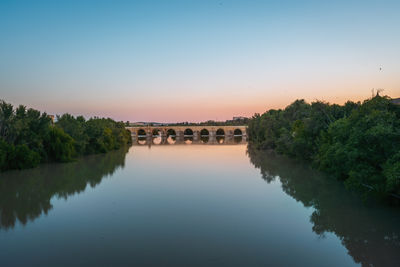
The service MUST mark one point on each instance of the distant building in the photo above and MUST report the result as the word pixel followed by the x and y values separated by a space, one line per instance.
pixel 52 118
pixel 239 118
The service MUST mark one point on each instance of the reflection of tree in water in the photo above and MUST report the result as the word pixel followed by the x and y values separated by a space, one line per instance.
pixel 370 231
pixel 26 194
pixel 237 139
pixel 204 139
pixel 157 140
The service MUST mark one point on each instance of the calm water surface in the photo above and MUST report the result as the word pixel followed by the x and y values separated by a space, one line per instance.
pixel 189 205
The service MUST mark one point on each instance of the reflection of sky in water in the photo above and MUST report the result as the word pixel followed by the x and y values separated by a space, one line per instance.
pixel 205 204
pixel 188 140
pixel 220 139
pixel 171 140
pixel 157 140
pixel 141 141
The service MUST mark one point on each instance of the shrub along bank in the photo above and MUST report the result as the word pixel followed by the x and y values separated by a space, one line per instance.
pixel 358 143
pixel 29 137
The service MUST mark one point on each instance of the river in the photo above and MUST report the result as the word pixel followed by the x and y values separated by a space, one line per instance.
pixel 189 204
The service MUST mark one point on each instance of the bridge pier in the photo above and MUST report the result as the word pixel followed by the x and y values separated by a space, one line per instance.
pixel 179 135
pixel 196 135
pixel 212 133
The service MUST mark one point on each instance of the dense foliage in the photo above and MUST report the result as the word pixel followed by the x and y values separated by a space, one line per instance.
pixel 358 143
pixel 29 137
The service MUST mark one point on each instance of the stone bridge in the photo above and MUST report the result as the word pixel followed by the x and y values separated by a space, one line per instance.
pixel 195 131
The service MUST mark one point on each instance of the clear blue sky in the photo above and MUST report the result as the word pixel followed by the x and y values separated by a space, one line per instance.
pixel 194 60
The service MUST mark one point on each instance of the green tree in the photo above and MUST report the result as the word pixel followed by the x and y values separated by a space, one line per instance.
pixel 355 142
pixel 361 148
pixel 59 145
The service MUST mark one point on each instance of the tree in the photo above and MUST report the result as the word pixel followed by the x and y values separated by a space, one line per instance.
pixel 355 142
pixel 59 145
pixel 28 137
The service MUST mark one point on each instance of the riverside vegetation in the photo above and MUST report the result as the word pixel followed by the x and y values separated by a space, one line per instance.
pixel 29 137
pixel 358 143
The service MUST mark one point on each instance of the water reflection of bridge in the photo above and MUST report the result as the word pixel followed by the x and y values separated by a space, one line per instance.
pixel 188 135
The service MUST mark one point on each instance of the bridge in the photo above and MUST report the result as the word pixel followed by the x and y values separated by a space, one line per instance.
pixel 181 132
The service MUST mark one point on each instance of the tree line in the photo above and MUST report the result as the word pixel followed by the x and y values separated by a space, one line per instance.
pixel 29 137
pixel 358 143
pixel 236 122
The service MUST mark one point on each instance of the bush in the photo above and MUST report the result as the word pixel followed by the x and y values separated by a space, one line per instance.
pixel 357 143
pixel 28 137
pixel 59 145
pixel 21 157
pixel 4 151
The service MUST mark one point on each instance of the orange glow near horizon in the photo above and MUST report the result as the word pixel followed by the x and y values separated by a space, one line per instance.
pixel 216 108
pixel 177 62
pixel 196 104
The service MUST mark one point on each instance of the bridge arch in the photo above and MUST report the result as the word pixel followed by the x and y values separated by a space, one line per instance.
pixel 237 132
pixel 204 132
pixel 141 132
pixel 171 136
pixel 220 132
pixel 157 132
pixel 171 132
pixel 188 132
pixel 196 132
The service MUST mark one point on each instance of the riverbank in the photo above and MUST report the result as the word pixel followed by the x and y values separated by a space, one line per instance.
pixel 29 137
pixel 357 143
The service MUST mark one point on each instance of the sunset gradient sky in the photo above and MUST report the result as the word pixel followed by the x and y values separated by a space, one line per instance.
pixel 173 61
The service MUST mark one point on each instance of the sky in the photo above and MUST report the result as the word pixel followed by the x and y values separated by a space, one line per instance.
pixel 170 61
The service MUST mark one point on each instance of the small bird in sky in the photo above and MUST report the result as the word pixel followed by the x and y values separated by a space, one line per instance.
pixel 380 68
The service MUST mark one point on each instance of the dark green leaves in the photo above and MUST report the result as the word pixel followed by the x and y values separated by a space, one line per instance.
pixel 28 137
pixel 358 143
